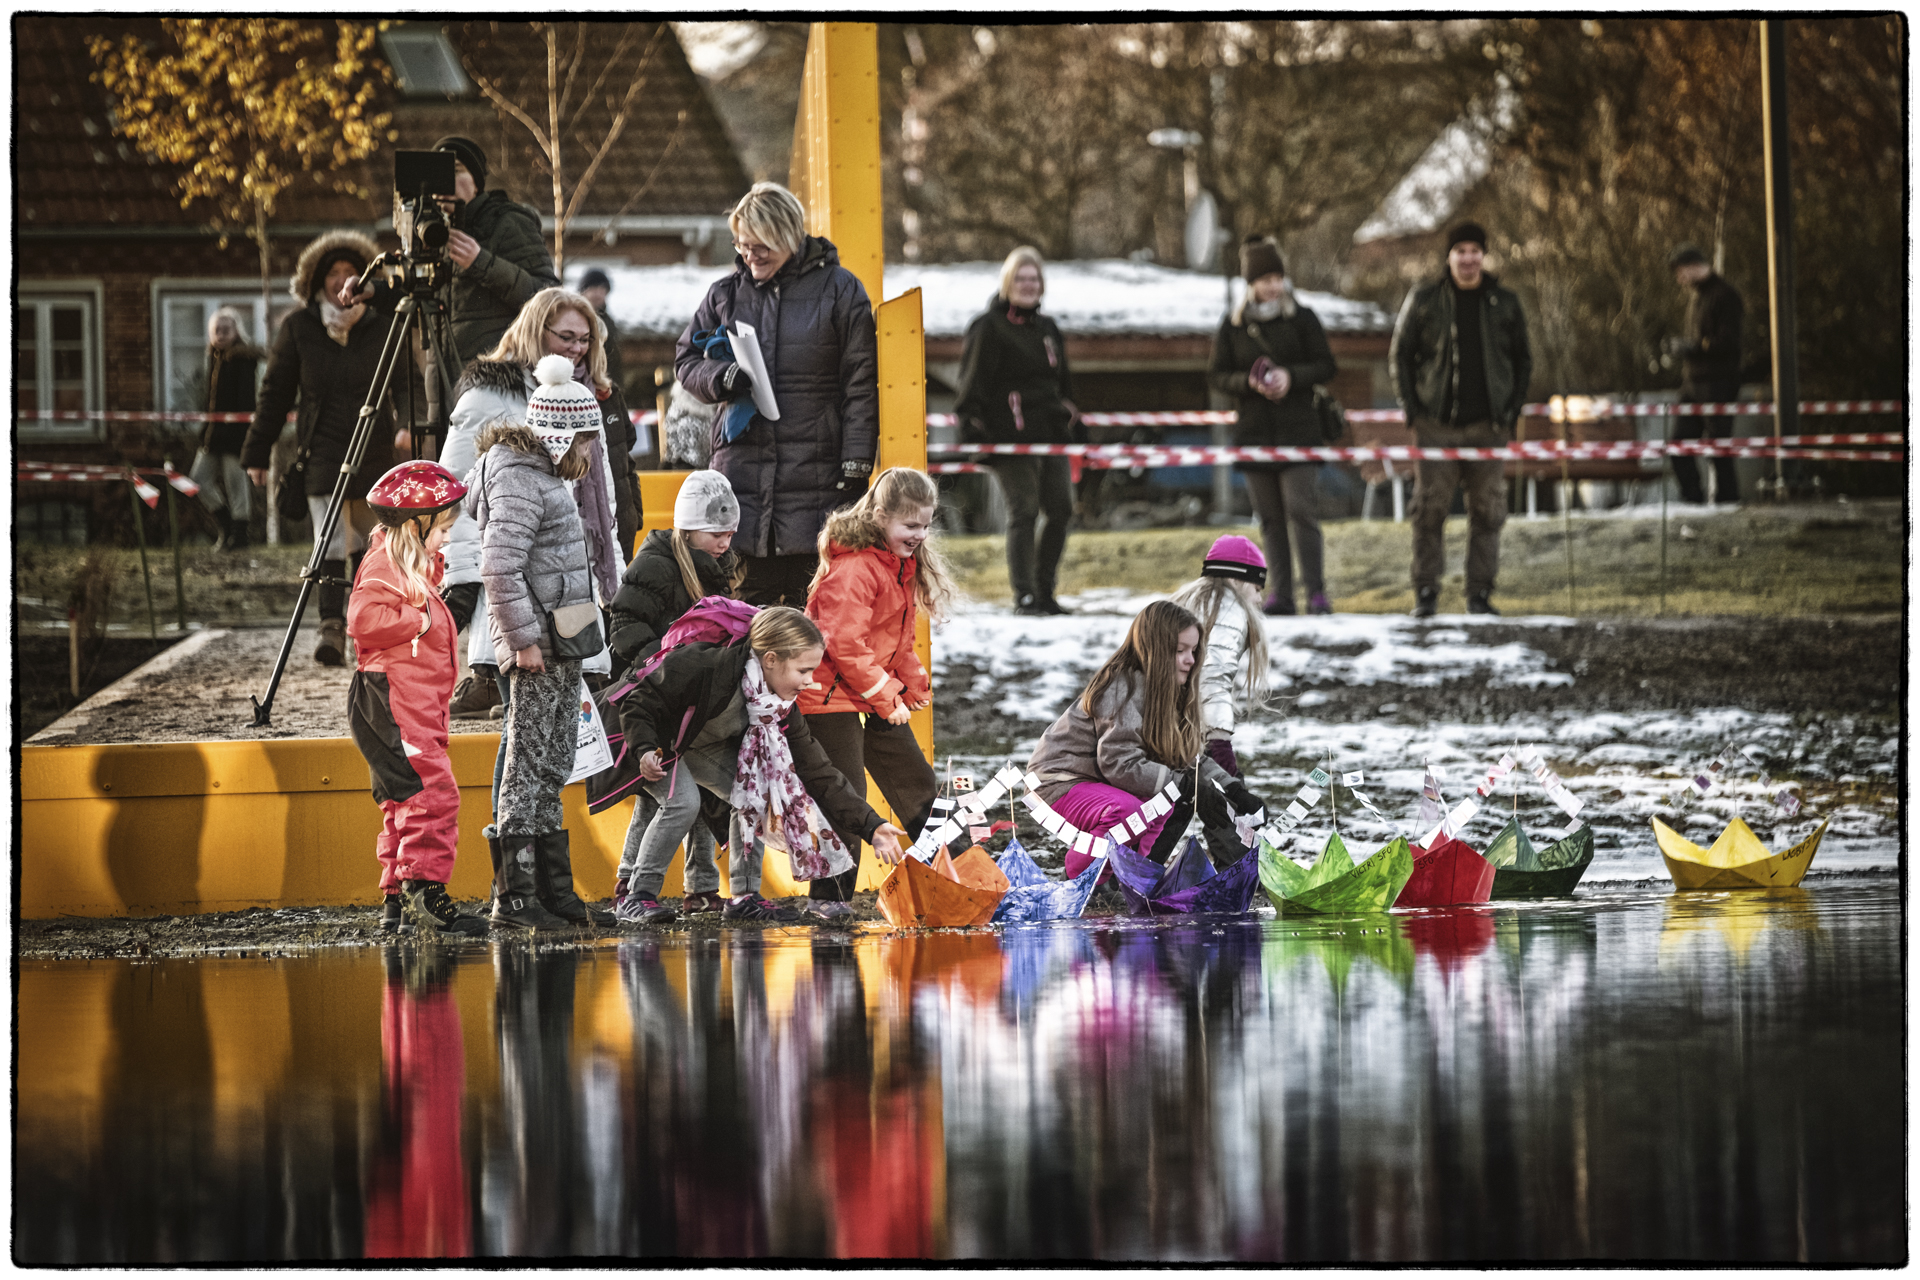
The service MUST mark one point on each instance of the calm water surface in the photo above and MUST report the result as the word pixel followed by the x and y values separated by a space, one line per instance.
pixel 1632 1075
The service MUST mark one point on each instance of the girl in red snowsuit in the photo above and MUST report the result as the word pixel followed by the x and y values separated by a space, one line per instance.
pixel 403 636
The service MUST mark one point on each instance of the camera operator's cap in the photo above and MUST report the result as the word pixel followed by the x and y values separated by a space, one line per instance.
pixel 559 407
pixel 706 504
pixel 1685 255
pixel 468 152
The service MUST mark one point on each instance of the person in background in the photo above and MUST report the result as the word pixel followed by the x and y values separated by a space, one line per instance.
pixel 877 571
pixel 1709 355
pixel 671 572
pixel 496 386
pixel 1461 364
pixel 325 356
pixel 1015 388
pixel 1137 727
pixel 403 639
pixel 815 332
pixel 1269 354
pixel 595 285
pixel 233 374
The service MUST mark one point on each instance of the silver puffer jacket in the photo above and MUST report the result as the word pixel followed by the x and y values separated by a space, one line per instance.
pixel 531 540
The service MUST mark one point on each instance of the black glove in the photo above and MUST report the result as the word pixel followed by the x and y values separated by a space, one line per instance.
pixel 852 485
pixel 1242 799
pixel 736 382
pixel 1185 779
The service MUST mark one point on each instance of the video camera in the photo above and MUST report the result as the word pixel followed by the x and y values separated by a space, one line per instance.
pixel 421 180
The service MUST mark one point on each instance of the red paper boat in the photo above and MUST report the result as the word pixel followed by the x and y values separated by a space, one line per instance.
pixel 1445 875
pixel 958 891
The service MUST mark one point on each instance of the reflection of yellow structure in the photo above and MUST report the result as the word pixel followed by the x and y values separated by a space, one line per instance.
pixel 1739 918
pixel 1737 860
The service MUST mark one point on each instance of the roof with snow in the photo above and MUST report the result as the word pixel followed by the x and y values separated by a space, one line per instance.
pixel 1093 298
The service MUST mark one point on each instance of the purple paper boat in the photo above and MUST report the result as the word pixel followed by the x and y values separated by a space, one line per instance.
pixel 1151 890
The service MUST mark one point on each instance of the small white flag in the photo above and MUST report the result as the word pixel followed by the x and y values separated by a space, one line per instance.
pixel 1353 779
pixel 1309 796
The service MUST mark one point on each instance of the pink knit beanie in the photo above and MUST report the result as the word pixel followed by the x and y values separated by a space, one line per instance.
pixel 1233 556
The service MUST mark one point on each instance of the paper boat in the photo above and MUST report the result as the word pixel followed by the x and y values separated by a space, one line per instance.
pixel 950 892
pixel 1519 871
pixel 1333 883
pixel 1737 860
pixel 1187 885
pixel 1446 874
pixel 1034 897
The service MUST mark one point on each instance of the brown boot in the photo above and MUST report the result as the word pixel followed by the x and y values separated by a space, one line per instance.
pixel 332 649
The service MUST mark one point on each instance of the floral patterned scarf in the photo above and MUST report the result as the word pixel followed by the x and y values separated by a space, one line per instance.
pixel 769 800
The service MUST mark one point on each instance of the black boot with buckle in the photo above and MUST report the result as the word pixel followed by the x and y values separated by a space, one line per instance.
pixel 556 884
pixel 517 900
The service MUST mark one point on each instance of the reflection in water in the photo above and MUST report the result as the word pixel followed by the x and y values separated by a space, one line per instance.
pixel 1629 1076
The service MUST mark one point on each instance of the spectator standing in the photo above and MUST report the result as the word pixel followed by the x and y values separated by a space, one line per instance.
pixel 1015 388
pixel 1709 355
pixel 595 285
pixel 1461 364
pixel 1269 355
pixel 500 257
pixel 815 331
pixel 326 355
pixel 233 374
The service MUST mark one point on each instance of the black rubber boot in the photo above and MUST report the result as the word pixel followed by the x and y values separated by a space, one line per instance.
pixel 428 906
pixel 518 900
pixel 492 834
pixel 556 884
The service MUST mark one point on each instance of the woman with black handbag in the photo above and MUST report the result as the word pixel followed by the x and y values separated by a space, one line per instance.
pixel 326 356
pixel 533 564
pixel 1269 355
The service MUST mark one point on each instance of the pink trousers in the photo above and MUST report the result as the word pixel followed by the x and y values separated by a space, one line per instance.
pixel 1097 807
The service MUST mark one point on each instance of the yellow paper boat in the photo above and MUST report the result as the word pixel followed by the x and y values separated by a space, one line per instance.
pixel 1737 860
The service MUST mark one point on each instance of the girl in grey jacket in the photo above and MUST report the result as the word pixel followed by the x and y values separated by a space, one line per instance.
pixel 533 560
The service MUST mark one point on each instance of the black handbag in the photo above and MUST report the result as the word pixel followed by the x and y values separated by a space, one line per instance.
pixel 291 499
pixel 1333 419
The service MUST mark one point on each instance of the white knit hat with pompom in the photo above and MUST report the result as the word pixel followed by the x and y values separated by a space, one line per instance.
pixel 560 407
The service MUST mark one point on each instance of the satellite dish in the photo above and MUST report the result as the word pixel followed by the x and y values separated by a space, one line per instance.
pixel 1203 232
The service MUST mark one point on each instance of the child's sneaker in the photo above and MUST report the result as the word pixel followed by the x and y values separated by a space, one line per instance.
pixel 829 912
pixel 752 907
pixel 638 910
pixel 428 906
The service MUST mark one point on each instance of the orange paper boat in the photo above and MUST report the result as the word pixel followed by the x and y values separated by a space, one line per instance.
pixel 952 892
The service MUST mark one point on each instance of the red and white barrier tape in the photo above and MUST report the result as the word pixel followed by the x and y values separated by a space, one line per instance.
pixel 1129 457
pixel 71 473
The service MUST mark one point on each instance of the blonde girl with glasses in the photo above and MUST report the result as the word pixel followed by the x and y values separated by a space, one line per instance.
pixel 495 387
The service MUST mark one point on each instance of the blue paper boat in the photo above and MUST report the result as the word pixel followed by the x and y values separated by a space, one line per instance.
pixel 1187 885
pixel 1034 897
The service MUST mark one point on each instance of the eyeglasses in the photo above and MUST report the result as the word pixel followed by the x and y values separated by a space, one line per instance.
pixel 757 252
pixel 572 339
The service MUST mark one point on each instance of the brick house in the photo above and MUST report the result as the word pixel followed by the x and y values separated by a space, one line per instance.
pixel 115 280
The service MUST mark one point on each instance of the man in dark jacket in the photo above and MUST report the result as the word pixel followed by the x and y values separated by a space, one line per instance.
pixel 814 327
pixel 500 255
pixel 595 285
pixel 1461 364
pixel 1709 370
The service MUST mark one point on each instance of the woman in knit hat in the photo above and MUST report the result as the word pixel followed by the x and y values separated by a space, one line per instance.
pixel 534 563
pixel 1269 355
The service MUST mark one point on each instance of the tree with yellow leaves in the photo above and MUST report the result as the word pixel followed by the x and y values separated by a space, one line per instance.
pixel 245 106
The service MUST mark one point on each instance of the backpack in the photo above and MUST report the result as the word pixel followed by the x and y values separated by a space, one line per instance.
pixel 711 620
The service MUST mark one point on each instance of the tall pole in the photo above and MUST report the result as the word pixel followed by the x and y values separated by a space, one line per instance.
pixel 1786 370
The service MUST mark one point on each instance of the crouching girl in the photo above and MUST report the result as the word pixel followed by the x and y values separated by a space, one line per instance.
pixel 1135 729
pixel 403 637
pixel 721 718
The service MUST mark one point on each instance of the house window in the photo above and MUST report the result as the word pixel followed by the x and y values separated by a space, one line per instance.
pixel 181 318
pixel 424 63
pixel 56 364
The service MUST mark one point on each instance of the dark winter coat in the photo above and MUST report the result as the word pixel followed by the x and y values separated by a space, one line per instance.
pixel 616 362
pixel 1711 359
pixel 232 376
pixel 672 705
pixel 533 550
pixel 652 595
pixel 1426 375
pixel 513 266
pixel 815 328
pixel 1295 341
pixel 1015 387
pixel 330 382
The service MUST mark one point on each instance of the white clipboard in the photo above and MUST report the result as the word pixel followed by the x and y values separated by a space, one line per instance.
pixel 746 351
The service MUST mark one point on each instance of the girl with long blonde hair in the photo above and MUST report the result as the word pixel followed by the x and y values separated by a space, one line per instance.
pixel 878 569
pixel 1137 728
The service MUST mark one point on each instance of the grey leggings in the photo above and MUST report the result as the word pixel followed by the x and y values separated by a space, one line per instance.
pixel 678 797
pixel 536 751
pixel 702 873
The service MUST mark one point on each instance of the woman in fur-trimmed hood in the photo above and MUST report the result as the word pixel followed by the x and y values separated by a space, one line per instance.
pixel 325 357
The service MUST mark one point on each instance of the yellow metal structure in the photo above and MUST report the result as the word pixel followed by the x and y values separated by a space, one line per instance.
pixel 1737 860
pixel 835 168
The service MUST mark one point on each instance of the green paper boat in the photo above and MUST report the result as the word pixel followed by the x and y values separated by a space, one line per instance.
pixel 1519 871
pixel 1333 882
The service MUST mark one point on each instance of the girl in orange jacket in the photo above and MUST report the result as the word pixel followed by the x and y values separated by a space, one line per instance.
pixel 877 570
pixel 403 635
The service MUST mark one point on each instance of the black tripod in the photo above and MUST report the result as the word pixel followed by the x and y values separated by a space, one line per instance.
pixel 424 307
